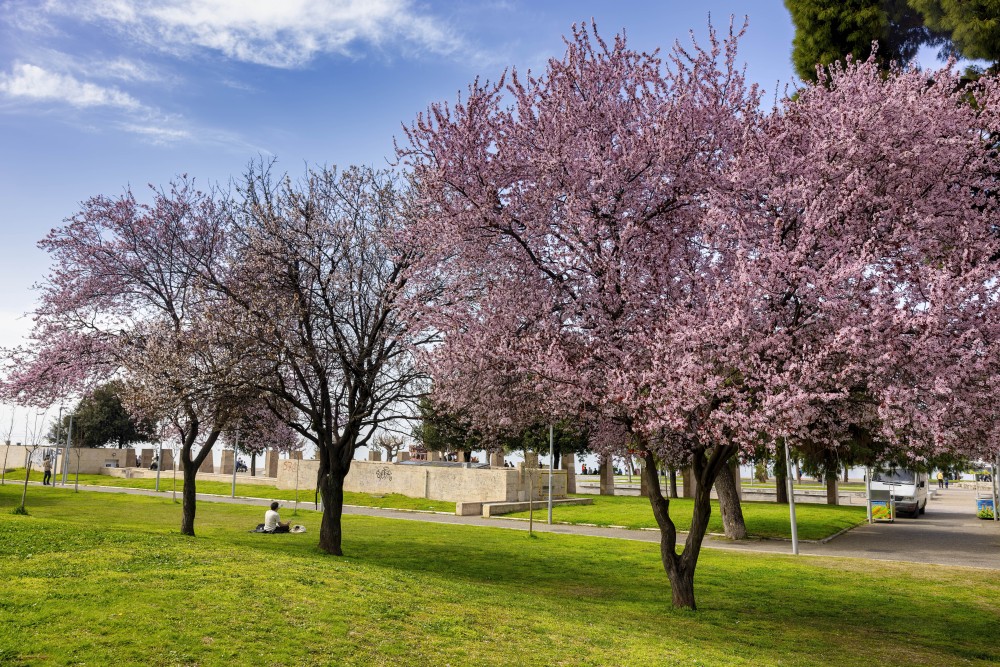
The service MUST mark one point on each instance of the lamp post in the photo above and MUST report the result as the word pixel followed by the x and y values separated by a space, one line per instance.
pixel 791 501
pixel 868 492
pixel 69 444
pixel 551 461
pixel 236 444
pixel 995 484
pixel 58 443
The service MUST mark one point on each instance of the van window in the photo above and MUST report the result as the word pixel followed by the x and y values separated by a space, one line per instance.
pixel 896 477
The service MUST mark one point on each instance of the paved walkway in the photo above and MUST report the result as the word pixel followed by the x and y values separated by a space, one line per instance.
pixel 948 534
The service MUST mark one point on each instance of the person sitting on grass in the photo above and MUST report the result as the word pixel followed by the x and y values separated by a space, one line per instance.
pixel 272 522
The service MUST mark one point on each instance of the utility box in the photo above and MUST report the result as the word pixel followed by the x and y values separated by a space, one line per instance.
pixel 881 503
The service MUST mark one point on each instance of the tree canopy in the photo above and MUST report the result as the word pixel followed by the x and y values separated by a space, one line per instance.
pixel 101 419
pixel 828 30
pixel 638 246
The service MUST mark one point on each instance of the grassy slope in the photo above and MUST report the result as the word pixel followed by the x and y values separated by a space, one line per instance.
pixel 106 579
pixel 305 496
pixel 762 519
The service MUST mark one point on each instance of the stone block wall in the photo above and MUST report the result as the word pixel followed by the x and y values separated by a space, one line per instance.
pixel 451 483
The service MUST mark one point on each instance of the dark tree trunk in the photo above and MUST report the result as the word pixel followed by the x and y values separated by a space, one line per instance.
pixel 680 568
pixel 673 482
pixel 846 472
pixel 780 474
pixel 253 464
pixel 190 466
pixel 330 532
pixel 831 486
pixel 729 504
pixel 189 495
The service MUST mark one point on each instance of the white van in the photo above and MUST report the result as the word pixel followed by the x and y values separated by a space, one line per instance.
pixel 907 487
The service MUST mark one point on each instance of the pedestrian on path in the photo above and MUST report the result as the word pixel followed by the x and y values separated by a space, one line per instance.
pixel 940 479
pixel 47 477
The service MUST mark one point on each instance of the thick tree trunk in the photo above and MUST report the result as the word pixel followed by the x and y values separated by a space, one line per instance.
pixel 189 497
pixel 729 504
pixel 330 531
pixel 780 474
pixel 831 486
pixel 673 482
pixel 846 472
pixel 680 568
pixel 253 464
pixel 190 465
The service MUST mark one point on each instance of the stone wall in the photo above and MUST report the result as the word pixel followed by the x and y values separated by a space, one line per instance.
pixel 450 483
pixel 167 474
pixel 91 461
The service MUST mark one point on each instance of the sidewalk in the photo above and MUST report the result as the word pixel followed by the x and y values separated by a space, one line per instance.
pixel 948 534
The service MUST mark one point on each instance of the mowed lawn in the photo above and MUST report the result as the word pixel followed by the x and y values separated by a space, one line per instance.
pixel 762 519
pixel 106 579
pixel 304 496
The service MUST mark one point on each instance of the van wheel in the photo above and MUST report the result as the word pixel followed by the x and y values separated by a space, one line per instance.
pixel 923 508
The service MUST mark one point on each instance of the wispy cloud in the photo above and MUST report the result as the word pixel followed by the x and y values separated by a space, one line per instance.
pixel 284 34
pixel 156 133
pixel 31 82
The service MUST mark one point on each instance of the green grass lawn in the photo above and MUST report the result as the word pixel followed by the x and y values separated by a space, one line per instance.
pixel 763 519
pixel 103 579
pixel 305 496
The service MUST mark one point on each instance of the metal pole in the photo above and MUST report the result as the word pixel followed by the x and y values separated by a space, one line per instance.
pixel 996 488
pixel 551 461
pixel 69 444
pixel 868 492
pixel 55 463
pixel 235 446
pixel 791 502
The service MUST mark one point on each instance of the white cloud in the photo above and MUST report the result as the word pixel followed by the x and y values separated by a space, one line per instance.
pixel 288 33
pixel 156 133
pixel 32 82
pixel 126 70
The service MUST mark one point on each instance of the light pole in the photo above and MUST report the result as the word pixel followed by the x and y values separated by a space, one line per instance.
pixel 59 442
pixel 551 461
pixel 69 444
pixel 868 492
pixel 236 445
pixel 791 501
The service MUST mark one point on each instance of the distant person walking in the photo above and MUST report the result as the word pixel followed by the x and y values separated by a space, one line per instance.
pixel 940 479
pixel 47 477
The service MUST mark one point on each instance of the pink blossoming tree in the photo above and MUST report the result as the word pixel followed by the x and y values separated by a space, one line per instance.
pixel 121 301
pixel 635 242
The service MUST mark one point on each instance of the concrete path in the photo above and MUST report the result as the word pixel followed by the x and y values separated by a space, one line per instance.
pixel 948 534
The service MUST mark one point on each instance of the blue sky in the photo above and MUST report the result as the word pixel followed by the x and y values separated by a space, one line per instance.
pixel 96 95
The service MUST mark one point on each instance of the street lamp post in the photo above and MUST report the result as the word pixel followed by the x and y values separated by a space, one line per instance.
pixel 791 501
pixel 58 443
pixel 236 444
pixel 551 461
pixel 69 445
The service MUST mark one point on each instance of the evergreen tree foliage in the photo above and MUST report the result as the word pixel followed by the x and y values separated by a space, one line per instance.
pixel 100 419
pixel 828 30
pixel 973 26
